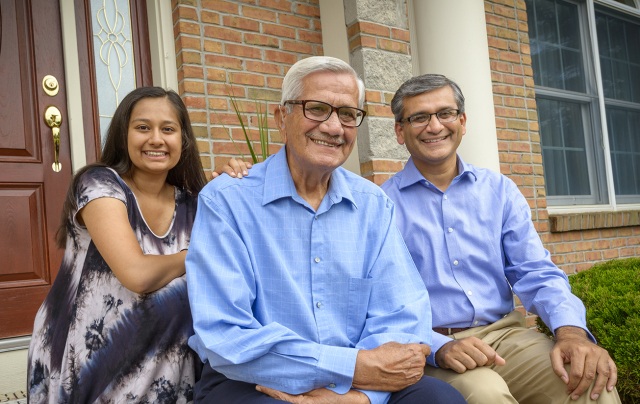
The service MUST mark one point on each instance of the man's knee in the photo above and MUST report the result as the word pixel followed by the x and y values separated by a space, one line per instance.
pixel 428 390
pixel 479 386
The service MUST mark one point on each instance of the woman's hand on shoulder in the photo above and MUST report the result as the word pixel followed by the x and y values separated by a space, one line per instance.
pixel 234 168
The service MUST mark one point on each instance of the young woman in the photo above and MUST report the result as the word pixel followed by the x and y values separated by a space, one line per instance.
pixel 115 324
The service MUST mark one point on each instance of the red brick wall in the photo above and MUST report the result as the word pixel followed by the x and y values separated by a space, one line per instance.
pixel 252 43
pixel 519 144
pixel 249 45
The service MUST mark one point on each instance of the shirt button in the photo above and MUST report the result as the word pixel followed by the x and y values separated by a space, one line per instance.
pixel 316 259
pixel 450 230
pixel 332 385
pixel 475 322
pixel 469 293
pixel 445 197
pixel 319 305
pixel 455 262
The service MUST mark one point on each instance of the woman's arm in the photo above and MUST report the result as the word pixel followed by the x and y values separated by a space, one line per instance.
pixel 108 225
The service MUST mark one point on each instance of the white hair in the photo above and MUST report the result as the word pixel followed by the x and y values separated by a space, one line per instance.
pixel 292 84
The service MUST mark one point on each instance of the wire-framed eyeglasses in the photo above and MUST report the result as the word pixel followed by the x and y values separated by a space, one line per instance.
pixel 422 119
pixel 321 111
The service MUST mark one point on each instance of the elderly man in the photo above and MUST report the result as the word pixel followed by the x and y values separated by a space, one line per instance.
pixel 300 285
pixel 470 234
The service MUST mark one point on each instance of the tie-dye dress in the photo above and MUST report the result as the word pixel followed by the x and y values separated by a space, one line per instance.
pixel 96 341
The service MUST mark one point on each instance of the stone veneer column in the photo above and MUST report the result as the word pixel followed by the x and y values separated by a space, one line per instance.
pixel 379 51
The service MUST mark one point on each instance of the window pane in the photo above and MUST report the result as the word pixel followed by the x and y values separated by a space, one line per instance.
pixel 573 71
pixel 557 183
pixel 549 116
pixel 568 25
pixel 629 3
pixel 603 37
pixel 550 67
pixel 624 180
pixel 621 81
pixel 571 119
pixel 624 141
pixel 578 173
pixel 607 78
pixel 564 152
pixel 635 83
pixel 113 56
pixel 545 21
pixel 619 48
pixel 633 43
pixel 556 46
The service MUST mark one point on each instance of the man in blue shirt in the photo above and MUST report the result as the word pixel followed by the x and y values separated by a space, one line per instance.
pixel 470 233
pixel 299 281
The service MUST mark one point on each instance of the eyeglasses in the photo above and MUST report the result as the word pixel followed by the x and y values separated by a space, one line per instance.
pixel 422 119
pixel 321 111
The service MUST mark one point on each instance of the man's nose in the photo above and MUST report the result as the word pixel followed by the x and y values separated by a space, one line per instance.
pixel 334 124
pixel 434 124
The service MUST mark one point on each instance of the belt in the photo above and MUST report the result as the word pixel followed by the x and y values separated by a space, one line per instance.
pixel 449 331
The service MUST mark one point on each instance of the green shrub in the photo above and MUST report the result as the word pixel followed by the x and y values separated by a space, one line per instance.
pixel 611 293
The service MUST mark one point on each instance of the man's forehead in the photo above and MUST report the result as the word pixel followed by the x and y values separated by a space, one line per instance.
pixel 330 87
pixel 439 96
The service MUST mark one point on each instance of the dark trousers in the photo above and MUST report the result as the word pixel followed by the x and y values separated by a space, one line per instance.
pixel 215 388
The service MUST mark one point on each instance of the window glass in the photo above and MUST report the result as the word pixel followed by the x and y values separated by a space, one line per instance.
pixel 620 63
pixel 570 106
pixel 113 56
pixel 630 3
pixel 556 46
pixel 625 149
pixel 563 147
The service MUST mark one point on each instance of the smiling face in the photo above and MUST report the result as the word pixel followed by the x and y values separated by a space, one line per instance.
pixel 433 146
pixel 317 148
pixel 154 138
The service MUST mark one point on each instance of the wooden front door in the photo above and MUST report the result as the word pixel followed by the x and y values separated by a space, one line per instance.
pixel 31 190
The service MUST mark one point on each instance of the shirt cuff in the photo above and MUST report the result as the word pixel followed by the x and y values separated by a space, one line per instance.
pixel 437 342
pixel 377 397
pixel 568 319
pixel 589 335
pixel 340 364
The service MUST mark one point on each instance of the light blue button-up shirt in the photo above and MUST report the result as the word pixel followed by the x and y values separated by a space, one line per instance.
pixel 285 296
pixel 473 244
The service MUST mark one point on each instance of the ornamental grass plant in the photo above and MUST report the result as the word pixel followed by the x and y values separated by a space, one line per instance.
pixel 262 125
pixel 611 294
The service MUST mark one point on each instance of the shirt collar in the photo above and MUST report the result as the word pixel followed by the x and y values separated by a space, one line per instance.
pixel 411 174
pixel 278 182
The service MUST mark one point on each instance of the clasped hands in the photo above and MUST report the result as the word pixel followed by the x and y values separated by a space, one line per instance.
pixel 389 367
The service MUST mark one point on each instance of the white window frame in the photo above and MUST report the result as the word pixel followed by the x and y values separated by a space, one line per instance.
pixel 597 120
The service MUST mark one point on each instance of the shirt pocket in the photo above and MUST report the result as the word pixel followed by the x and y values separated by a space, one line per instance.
pixel 359 293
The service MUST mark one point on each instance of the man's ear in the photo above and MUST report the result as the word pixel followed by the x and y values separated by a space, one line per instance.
pixel 278 116
pixel 463 122
pixel 399 128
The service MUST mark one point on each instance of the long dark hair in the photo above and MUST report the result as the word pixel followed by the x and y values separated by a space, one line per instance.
pixel 187 174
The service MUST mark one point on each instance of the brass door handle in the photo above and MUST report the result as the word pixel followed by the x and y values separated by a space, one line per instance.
pixel 53 119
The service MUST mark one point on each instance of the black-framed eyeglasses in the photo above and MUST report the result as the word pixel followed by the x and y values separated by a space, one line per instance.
pixel 321 111
pixel 422 119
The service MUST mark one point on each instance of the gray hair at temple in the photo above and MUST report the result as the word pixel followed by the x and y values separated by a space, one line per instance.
pixel 422 84
pixel 292 85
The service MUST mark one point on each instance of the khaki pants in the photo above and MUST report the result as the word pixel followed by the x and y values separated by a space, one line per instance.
pixel 527 378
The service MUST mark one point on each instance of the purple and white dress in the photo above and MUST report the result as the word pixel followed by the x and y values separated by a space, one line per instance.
pixel 96 341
